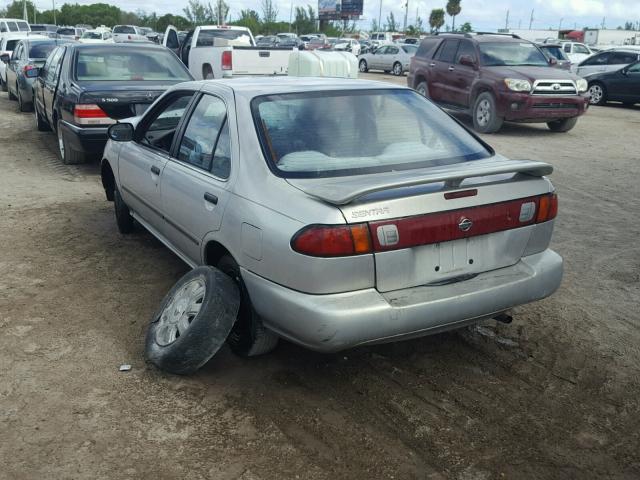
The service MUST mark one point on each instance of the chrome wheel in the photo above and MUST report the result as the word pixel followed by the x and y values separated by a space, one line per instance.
pixel 397 69
pixel 363 66
pixel 596 93
pixel 483 112
pixel 177 316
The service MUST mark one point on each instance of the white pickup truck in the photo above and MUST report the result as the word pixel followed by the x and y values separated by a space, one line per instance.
pixel 224 51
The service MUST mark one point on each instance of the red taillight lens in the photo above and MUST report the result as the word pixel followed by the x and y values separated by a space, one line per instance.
pixel 227 62
pixel 30 71
pixel 90 114
pixel 332 241
pixel 547 208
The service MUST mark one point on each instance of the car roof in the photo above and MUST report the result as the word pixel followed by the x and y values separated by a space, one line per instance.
pixel 481 37
pixel 123 46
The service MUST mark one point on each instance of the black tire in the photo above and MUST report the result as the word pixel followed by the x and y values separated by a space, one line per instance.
pixel 124 220
pixel 41 125
pixel 423 89
pixel 207 73
pixel 249 337
pixel 364 68
pixel 68 155
pixel 11 95
pixel 206 330
pixel 597 93
pixel 3 86
pixel 397 69
pixel 563 125
pixel 485 114
pixel 23 107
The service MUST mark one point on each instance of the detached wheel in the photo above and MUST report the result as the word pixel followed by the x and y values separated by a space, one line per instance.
pixel 397 69
pixel 193 321
pixel 68 155
pixel 563 125
pixel 249 337
pixel 597 94
pixel 124 220
pixel 364 68
pixel 485 114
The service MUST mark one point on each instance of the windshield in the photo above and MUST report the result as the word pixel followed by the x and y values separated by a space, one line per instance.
pixel 124 29
pixel 511 54
pixel 92 35
pixel 317 41
pixel 41 49
pixel 116 64
pixel 333 133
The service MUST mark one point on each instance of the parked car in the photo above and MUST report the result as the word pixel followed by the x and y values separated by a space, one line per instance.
pixel 495 78
pixel 269 41
pixel 268 181
pixel 607 61
pixel 366 46
pixel 622 85
pixel 128 33
pixel 318 43
pixel 389 58
pixel 213 51
pixel 291 42
pixel 348 45
pixel 381 38
pixel 7 43
pixel 410 41
pixel 69 33
pixel 96 36
pixel 82 89
pixel 44 29
pixel 576 51
pixel 23 67
pixel 555 54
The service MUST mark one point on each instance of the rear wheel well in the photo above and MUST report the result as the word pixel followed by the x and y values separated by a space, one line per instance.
pixel 418 79
pixel 108 179
pixel 206 69
pixel 213 252
pixel 478 91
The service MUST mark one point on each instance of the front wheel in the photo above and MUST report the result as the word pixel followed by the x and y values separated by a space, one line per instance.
pixel 363 66
pixel 597 94
pixel 397 69
pixel 485 114
pixel 124 219
pixel 249 337
pixel 563 125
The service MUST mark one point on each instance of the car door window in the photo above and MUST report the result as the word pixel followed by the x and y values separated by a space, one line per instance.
pixel 392 50
pixel 447 52
pixel 381 50
pixel 581 49
pixel 172 40
pixel 205 144
pixel 599 59
pixel 466 48
pixel 53 66
pixel 622 58
pixel 634 68
pixel 159 128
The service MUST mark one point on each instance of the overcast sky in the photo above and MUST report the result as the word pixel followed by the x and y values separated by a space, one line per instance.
pixel 483 14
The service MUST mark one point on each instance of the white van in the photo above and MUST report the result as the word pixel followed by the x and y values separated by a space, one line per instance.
pixel 381 38
pixel 13 25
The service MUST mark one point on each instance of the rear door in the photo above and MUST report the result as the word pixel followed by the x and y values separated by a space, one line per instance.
pixel 195 180
pixel 141 162
pixel 441 74
pixel 625 87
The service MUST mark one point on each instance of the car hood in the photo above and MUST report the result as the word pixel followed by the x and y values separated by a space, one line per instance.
pixel 533 73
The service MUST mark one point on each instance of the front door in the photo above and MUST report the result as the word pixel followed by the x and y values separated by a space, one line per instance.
pixel 441 74
pixel 463 76
pixel 195 180
pixel 625 87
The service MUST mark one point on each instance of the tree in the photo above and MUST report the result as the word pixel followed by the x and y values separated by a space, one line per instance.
pixel 374 25
pixel 304 20
pixel 436 19
pixel 269 11
pixel 453 9
pixel 220 12
pixel 419 25
pixel 16 9
pixel 197 13
pixel 391 23
pixel 177 21
pixel 629 26
pixel 466 27
pixel 249 19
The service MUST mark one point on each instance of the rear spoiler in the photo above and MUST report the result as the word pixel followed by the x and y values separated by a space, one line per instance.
pixel 344 190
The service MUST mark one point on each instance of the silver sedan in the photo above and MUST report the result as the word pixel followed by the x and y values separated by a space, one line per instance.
pixel 388 58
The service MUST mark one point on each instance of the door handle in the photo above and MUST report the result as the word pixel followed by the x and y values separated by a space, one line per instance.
pixel 452 68
pixel 432 64
pixel 211 198
pixel 155 170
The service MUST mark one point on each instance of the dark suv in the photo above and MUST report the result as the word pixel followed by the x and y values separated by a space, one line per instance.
pixel 496 78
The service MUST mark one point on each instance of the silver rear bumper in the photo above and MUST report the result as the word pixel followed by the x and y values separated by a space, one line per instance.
pixel 330 323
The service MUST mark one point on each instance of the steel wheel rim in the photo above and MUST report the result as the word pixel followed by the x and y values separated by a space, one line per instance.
pixel 596 93
pixel 60 142
pixel 363 66
pixel 483 114
pixel 422 91
pixel 397 69
pixel 178 314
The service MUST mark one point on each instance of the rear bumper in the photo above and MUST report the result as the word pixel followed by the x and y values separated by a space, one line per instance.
pixel 90 139
pixel 330 323
pixel 523 107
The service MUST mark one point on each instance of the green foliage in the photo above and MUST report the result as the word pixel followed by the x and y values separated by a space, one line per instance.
pixel 466 27
pixel 374 25
pixel 391 25
pixel 436 19
pixel 178 21
pixel 249 19
pixel 453 9
pixel 269 11
pixel 16 8
pixel 304 20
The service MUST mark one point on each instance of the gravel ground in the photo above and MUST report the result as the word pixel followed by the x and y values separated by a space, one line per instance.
pixel 555 394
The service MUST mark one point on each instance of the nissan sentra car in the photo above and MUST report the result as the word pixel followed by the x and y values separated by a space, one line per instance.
pixel 349 212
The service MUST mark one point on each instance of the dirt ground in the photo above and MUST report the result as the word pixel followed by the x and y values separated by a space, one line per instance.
pixel 554 395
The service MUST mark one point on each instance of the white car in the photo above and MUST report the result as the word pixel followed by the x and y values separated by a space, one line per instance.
pixel 96 36
pixel 128 33
pixel 7 43
pixel 576 52
pixel 348 45
pixel 607 61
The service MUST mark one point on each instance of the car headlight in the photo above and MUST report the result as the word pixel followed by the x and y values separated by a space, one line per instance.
pixel 517 85
pixel 582 85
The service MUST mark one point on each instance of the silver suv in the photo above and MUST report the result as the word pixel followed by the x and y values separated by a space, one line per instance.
pixel 350 212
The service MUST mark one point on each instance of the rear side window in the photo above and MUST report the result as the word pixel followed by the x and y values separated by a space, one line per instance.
pixel 599 59
pixel 41 50
pixel 53 66
pixel 447 52
pixel 426 48
pixel 23 26
pixel 12 26
pixel 206 37
pixel 622 58
pixel 124 29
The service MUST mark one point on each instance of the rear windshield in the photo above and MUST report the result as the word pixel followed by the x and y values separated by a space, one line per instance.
pixel 41 49
pixel 124 29
pixel 410 49
pixel 319 134
pixel 239 37
pixel 66 31
pixel 511 54
pixel 117 64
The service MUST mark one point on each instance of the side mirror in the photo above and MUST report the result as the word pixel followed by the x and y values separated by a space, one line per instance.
pixel 553 61
pixel 4 58
pixel 120 132
pixel 467 60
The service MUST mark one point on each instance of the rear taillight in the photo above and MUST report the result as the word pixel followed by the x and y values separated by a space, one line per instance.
pixel 30 71
pixel 333 240
pixel 90 114
pixel 227 62
pixel 547 208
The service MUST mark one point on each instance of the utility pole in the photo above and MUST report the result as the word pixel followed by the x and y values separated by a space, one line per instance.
pixel 603 19
pixel 291 15
pixel 417 21
pixel 560 26
pixel 380 17
pixel 506 21
pixel 531 20
pixel 54 12
pixel 406 15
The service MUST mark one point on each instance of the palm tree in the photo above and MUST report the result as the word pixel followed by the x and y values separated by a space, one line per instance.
pixel 436 19
pixel 453 9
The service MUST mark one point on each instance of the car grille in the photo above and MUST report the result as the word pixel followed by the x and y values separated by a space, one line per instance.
pixel 554 87
pixel 554 105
